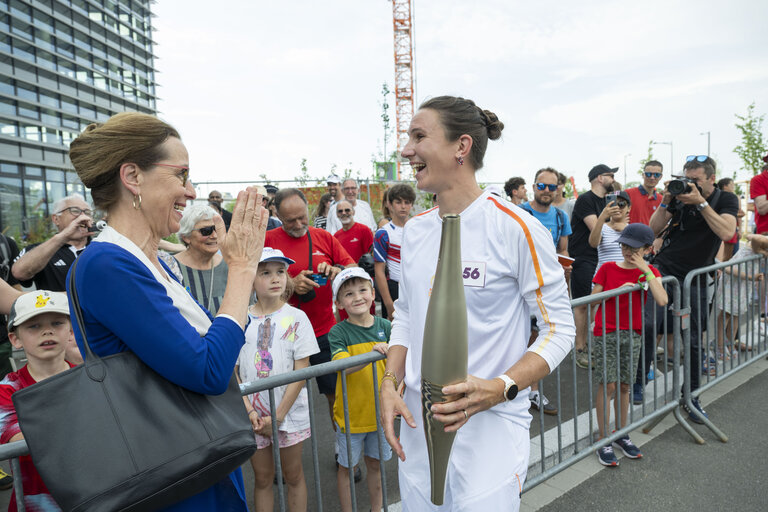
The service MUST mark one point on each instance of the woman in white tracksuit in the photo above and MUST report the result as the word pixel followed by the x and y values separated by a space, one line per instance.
pixel 514 273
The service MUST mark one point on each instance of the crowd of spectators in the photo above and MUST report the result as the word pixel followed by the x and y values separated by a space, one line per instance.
pixel 600 231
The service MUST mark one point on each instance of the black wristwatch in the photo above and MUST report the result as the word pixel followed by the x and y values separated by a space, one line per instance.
pixel 510 387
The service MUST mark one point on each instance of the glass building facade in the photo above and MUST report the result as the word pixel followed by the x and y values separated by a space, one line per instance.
pixel 63 65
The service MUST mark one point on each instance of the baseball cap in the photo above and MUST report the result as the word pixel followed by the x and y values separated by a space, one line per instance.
pixel 36 303
pixel 270 254
pixel 333 179
pixel 600 169
pixel 636 235
pixel 271 189
pixel 622 194
pixel 346 275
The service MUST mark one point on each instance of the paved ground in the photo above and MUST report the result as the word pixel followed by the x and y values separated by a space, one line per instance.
pixel 675 473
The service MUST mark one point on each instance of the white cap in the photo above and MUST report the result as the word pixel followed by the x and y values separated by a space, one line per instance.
pixel 333 179
pixel 346 275
pixel 36 303
pixel 270 254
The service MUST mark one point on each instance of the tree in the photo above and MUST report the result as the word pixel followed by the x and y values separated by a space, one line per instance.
pixel 753 145
pixel 304 177
pixel 385 116
pixel 646 159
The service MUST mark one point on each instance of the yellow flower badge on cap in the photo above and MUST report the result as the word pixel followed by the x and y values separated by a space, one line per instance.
pixel 41 301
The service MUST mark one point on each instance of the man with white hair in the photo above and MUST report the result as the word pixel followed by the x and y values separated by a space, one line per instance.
pixel 363 212
pixel 46 264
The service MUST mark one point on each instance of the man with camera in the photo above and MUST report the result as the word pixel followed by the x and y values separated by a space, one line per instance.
pixel 47 264
pixel 694 217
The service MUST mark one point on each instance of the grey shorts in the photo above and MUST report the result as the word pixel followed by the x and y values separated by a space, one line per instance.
pixel 605 361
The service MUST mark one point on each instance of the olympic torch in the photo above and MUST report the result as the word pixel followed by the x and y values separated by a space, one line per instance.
pixel 444 352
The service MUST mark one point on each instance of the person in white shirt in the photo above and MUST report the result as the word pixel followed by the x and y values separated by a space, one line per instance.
pixel 363 212
pixel 517 275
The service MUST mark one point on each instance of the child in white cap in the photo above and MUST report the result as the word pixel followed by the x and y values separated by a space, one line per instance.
pixel 38 323
pixel 279 339
pixel 361 332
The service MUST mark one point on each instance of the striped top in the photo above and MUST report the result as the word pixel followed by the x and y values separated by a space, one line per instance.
pixel 609 248
pixel 386 248
pixel 198 284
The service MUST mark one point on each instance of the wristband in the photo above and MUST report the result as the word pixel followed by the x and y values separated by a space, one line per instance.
pixel 662 205
pixel 251 411
pixel 389 376
pixel 649 276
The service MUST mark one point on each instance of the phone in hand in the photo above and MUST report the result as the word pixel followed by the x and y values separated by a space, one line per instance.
pixel 320 279
pixel 611 197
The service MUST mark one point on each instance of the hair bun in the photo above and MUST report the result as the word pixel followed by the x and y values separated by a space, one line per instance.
pixel 493 125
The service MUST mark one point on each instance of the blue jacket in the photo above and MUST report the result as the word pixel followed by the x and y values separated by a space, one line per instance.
pixel 125 308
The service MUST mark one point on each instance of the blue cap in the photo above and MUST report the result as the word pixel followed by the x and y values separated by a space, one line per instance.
pixel 636 235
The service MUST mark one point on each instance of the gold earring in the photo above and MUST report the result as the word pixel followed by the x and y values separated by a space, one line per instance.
pixel 137 202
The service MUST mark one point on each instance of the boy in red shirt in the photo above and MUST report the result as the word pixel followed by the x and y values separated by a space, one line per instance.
pixel 38 323
pixel 635 241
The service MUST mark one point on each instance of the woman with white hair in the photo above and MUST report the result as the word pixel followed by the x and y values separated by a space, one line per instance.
pixel 202 266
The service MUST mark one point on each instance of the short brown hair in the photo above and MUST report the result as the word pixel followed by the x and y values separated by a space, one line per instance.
pixel 101 149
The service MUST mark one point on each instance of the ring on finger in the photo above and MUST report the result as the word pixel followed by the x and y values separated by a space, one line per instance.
pixel 466 416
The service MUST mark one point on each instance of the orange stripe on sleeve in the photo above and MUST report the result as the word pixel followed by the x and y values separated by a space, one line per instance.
pixel 537 268
pixel 427 211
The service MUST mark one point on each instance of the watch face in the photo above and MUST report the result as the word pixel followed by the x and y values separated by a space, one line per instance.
pixel 512 392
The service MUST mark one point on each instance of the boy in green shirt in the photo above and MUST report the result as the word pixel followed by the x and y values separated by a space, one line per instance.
pixel 361 332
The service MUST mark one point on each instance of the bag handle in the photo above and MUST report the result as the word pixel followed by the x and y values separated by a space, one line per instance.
pixel 94 368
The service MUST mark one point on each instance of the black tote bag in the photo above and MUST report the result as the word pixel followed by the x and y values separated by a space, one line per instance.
pixel 113 434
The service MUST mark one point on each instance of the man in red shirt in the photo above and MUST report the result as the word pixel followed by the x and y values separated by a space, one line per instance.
pixel 758 191
pixel 355 237
pixel 318 257
pixel 645 199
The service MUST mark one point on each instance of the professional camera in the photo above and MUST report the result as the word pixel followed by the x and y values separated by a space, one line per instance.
pixel 681 185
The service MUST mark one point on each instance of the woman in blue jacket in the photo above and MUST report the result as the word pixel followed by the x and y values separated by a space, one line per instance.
pixel 138 171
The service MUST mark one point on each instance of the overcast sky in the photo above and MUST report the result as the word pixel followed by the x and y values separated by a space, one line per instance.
pixel 256 86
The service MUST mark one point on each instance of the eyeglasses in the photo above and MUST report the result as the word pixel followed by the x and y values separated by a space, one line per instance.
pixel 183 175
pixel 75 211
pixel 652 174
pixel 206 231
pixel 344 210
pixel 629 247
pixel 698 158
pixel 542 186
pixel 349 188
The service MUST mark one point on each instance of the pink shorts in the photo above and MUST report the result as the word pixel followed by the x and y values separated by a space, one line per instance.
pixel 285 439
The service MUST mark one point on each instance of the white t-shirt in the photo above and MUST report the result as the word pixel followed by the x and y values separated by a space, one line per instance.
pixel 513 273
pixel 272 343
pixel 363 215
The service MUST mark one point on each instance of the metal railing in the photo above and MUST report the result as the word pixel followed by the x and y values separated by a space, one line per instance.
pixel 568 437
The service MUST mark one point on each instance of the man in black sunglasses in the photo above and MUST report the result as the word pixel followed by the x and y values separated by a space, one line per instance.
pixel 645 199
pixel 46 264
pixel 693 225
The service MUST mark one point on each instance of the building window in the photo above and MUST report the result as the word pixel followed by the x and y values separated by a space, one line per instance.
pixel 8 128
pixel 11 205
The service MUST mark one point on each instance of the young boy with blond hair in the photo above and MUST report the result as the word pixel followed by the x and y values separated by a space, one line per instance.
pixel 361 332
pixel 38 323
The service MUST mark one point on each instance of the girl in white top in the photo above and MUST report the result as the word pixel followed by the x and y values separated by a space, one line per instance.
pixel 611 222
pixel 279 339
pixel 514 274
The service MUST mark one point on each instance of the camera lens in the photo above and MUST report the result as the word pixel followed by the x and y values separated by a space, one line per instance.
pixel 676 187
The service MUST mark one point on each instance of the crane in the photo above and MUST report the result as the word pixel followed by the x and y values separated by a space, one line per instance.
pixel 404 71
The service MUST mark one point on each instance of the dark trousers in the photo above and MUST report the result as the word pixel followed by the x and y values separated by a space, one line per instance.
pixel 654 325
pixel 394 289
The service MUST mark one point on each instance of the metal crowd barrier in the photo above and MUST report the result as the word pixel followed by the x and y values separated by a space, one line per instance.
pixel 569 437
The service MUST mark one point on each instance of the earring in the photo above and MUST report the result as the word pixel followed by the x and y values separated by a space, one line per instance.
pixel 137 202
pixel 460 160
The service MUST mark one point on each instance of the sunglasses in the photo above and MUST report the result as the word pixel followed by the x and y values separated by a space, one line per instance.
pixel 622 204
pixel 183 175
pixel 344 210
pixel 652 174
pixel 75 211
pixel 543 186
pixel 698 158
pixel 206 231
